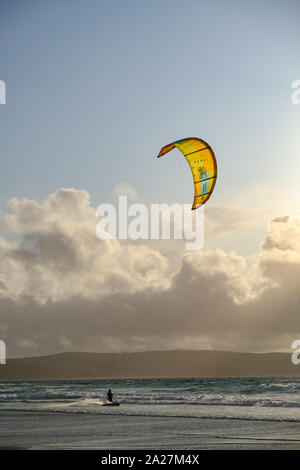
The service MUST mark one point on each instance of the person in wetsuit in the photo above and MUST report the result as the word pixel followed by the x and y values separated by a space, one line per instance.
pixel 110 396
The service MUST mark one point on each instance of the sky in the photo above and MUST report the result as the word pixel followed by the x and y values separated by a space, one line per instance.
pixel 94 90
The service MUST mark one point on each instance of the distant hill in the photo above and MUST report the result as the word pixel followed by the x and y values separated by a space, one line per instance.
pixel 75 365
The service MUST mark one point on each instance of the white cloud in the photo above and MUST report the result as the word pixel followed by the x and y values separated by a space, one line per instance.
pixel 61 288
pixel 127 190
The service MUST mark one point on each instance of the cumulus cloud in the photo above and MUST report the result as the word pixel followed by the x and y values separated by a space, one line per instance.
pixel 222 219
pixel 125 189
pixel 60 256
pixel 63 289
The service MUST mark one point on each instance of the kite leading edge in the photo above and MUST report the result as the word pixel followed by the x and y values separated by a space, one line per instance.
pixel 203 164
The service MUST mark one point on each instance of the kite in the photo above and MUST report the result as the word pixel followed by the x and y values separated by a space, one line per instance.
pixel 203 164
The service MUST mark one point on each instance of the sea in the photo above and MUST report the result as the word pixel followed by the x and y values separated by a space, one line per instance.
pixel 260 399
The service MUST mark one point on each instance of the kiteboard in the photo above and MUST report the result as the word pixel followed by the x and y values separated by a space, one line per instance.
pixel 111 403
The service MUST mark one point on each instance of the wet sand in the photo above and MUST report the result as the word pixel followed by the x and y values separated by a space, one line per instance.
pixel 38 430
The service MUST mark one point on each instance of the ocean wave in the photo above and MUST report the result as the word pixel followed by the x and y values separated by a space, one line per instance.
pixel 273 399
pixel 155 414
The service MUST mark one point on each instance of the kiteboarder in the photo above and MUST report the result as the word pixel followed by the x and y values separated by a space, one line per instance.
pixel 110 396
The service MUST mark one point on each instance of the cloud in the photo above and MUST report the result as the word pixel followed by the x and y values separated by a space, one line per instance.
pixel 226 218
pixel 127 190
pixel 280 259
pixel 60 256
pixel 61 288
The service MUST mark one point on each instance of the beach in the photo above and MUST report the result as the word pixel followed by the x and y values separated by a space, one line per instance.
pixel 182 414
pixel 37 430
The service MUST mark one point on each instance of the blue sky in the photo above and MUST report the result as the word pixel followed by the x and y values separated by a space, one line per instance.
pixel 95 89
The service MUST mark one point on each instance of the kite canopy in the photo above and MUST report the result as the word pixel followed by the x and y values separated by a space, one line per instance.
pixel 203 164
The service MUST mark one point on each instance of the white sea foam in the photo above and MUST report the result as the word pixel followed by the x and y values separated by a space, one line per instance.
pixel 272 399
